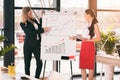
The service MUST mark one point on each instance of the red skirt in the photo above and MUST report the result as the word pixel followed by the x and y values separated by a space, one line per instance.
pixel 87 55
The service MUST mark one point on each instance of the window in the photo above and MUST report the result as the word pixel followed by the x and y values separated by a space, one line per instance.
pixel 108 4
pixel 36 3
pixel 74 3
pixel 108 22
pixel 111 7
pixel 1 14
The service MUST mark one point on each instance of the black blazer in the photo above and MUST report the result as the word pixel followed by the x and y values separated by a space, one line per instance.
pixel 31 33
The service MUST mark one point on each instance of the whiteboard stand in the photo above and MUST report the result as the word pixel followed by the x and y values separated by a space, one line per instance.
pixel 58 66
pixel 44 70
pixel 57 41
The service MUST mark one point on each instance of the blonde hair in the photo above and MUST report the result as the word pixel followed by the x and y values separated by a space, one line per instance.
pixel 24 15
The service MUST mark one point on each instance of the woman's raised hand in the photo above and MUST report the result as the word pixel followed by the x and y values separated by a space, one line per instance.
pixel 47 29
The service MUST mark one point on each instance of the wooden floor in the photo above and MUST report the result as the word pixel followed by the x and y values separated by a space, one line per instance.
pixel 20 68
pixel 44 79
pixel 116 77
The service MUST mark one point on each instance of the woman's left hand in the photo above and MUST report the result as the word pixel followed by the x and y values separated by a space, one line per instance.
pixel 73 37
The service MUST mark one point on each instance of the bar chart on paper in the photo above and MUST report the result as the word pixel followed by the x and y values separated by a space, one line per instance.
pixel 58 49
pixel 56 46
pixel 57 43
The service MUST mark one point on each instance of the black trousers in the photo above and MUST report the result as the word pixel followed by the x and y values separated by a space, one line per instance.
pixel 27 60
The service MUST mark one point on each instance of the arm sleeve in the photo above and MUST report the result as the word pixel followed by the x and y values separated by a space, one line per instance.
pixel 40 29
pixel 26 30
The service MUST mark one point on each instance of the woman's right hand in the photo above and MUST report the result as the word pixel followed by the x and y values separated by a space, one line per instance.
pixel 47 29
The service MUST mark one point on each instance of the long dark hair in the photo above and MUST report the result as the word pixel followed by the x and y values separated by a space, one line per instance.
pixel 94 21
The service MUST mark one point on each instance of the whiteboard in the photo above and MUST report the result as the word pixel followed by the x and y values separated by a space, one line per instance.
pixel 56 43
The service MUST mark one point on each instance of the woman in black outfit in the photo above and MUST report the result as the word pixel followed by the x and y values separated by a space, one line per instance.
pixel 32 30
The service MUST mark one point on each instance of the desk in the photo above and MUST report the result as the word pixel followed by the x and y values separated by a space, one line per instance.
pixel 4 76
pixel 110 61
pixel 107 59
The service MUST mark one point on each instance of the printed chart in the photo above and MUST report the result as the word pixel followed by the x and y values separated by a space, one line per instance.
pixel 56 43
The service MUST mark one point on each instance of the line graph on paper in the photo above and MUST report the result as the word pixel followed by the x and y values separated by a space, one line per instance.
pixel 60 24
